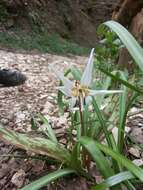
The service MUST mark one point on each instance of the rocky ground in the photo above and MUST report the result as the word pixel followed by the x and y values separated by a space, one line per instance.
pixel 36 95
pixel 19 104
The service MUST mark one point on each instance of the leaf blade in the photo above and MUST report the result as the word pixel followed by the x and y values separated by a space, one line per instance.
pixel 129 41
pixel 87 142
pixel 98 157
pixel 47 179
pixel 114 180
pixel 36 144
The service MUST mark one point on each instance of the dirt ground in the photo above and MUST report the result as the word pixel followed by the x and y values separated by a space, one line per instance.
pixel 18 104
pixel 37 94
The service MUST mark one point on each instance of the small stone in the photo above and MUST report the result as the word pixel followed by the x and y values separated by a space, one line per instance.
pixel 135 152
pixel 18 178
pixel 48 107
pixel 137 134
pixel 4 121
pixel 63 141
pixel 138 162
pixel 74 132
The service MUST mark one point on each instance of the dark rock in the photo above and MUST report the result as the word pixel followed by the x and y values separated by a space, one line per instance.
pixel 11 78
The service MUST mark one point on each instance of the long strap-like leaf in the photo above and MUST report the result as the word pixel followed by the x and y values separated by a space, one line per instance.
pixel 92 145
pixel 129 41
pixel 47 179
pixel 36 144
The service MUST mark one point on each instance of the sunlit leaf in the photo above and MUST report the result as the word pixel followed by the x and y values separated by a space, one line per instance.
pixel 129 41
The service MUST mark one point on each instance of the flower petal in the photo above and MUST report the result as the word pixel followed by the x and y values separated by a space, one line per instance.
pixel 72 102
pixel 64 90
pixel 87 74
pixel 98 92
pixel 66 82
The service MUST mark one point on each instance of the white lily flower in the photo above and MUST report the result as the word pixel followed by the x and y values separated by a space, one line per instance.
pixel 80 90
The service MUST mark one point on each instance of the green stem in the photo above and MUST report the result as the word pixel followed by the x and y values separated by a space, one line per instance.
pixel 101 120
pixel 122 125
pixel 81 117
pixel 86 157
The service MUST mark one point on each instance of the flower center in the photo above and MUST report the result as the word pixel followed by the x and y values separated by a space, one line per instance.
pixel 79 90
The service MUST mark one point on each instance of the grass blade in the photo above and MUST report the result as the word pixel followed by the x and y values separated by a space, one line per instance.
pixel 90 145
pixel 36 144
pixel 129 41
pixel 122 114
pixel 114 180
pixel 102 122
pixel 117 78
pixel 101 161
pixel 49 130
pixel 47 179
pixel 60 102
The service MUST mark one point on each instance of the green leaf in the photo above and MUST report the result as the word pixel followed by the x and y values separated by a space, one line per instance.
pixel 49 131
pixel 117 78
pixel 90 145
pixel 60 102
pixel 36 144
pixel 47 179
pixel 76 73
pixel 102 122
pixel 114 180
pixel 101 162
pixel 76 161
pixel 75 157
pixel 122 114
pixel 33 124
pixel 129 41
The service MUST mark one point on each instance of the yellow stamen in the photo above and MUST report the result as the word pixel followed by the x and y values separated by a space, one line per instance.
pixel 79 90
